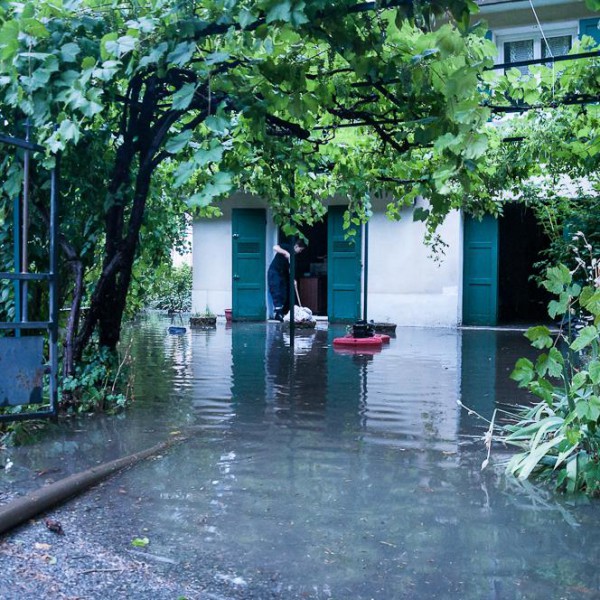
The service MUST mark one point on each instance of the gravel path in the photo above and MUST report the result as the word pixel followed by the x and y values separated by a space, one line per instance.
pixel 37 563
pixel 94 559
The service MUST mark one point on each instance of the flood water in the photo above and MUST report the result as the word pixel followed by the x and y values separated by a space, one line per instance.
pixel 317 474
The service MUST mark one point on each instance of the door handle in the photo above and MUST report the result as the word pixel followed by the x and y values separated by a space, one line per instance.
pixel 236 236
pixel 236 277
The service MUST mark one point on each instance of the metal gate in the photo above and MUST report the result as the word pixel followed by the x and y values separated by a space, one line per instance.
pixel 23 368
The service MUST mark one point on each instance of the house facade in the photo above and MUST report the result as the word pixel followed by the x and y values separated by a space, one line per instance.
pixel 483 277
pixel 498 254
pixel 231 255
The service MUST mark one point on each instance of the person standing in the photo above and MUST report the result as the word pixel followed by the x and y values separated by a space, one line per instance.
pixel 278 277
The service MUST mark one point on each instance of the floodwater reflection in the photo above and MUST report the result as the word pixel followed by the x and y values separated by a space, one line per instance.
pixel 318 474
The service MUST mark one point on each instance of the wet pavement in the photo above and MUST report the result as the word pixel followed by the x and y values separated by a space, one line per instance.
pixel 306 474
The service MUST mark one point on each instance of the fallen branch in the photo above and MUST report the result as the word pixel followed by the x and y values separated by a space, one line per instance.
pixel 86 572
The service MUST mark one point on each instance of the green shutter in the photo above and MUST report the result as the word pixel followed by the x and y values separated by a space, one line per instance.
pixel 589 27
pixel 480 271
pixel 343 269
pixel 249 273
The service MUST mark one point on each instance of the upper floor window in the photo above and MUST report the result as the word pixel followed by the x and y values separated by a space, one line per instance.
pixel 527 43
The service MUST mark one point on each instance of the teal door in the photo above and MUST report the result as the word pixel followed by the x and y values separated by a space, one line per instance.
pixel 343 269
pixel 480 271
pixel 249 288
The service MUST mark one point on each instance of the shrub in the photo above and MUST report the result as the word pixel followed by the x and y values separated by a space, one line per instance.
pixel 173 291
pixel 559 435
pixel 102 382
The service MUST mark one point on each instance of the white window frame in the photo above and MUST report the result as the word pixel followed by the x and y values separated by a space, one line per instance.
pixel 532 32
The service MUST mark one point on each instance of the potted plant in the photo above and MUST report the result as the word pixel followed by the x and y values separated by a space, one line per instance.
pixel 205 320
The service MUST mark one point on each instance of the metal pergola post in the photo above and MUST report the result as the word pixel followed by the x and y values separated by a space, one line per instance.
pixel 292 291
pixel 17 257
pixel 292 286
pixel 53 285
pixel 366 270
pixel 25 224
pixel 20 277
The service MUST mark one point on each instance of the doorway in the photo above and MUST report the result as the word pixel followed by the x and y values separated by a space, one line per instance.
pixel 521 243
pixel 329 270
pixel 499 265
pixel 311 267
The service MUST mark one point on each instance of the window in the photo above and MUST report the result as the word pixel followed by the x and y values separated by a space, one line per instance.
pixel 517 51
pixel 527 43
pixel 556 46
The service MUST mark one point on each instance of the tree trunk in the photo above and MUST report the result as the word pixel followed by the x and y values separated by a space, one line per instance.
pixel 144 130
pixel 101 302
pixel 73 321
pixel 114 301
pixel 96 302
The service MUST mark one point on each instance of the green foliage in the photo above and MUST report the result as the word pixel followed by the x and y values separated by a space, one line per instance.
pixel 547 155
pixel 174 106
pixel 276 71
pixel 172 289
pixel 20 433
pixel 166 228
pixel 566 218
pixel 559 436
pixel 102 382
pixel 206 314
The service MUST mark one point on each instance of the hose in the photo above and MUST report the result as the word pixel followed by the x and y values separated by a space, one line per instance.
pixel 21 509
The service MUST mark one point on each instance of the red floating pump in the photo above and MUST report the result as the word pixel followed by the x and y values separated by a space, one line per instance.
pixel 362 338
pixel 349 341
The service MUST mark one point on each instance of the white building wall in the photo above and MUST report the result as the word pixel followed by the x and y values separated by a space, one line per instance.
pixel 211 282
pixel 212 257
pixel 406 285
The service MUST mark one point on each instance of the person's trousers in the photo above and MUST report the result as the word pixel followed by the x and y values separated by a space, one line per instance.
pixel 279 290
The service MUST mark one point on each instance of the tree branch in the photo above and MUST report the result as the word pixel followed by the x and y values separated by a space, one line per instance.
pixel 292 128
pixel 91 319
pixel 387 138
